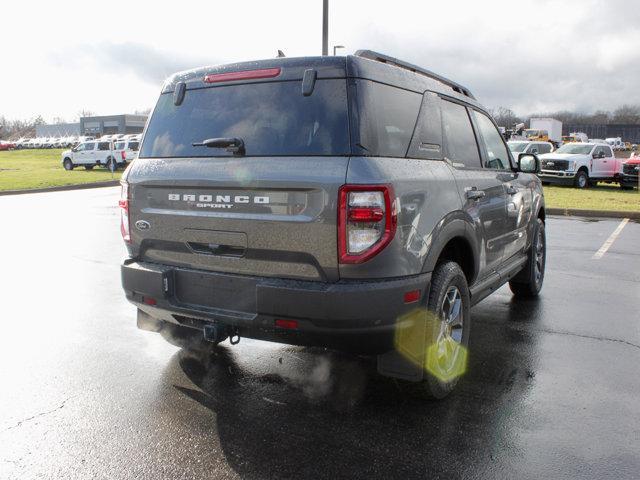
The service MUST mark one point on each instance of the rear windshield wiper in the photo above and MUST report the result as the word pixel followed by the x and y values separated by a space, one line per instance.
pixel 232 144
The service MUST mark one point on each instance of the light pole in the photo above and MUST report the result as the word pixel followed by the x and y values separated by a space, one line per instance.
pixel 325 28
pixel 335 47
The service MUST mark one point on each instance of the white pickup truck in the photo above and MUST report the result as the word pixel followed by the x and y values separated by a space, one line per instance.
pixel 89 154
pixel 580 164
pixel 127 149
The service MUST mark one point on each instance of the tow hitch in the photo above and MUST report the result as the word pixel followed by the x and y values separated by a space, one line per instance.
pixel 217 333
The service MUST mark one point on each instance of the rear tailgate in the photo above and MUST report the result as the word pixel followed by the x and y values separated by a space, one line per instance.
pixel 268 208
pixel 267 216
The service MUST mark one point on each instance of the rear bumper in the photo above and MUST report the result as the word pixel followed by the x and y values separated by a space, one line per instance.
pixel 347 315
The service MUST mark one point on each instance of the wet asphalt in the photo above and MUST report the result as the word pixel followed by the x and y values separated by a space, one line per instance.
pixel 552 389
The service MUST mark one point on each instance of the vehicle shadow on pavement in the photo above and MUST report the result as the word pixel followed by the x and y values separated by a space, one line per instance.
pixel 331 414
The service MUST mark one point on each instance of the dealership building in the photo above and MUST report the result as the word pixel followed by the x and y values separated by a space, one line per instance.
pixel 110 124
pixel 95 126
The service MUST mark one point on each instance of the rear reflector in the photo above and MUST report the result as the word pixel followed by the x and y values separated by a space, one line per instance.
pixel 366 214
pixel 288 324
pixel 149 301
pixel 245 75
pixel 123 203
pixel 412 296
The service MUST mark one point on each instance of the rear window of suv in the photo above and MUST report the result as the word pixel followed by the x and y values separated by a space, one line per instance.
pixel 272 118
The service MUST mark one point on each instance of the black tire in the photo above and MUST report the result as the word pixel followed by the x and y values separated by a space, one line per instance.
pixel 528 283
pixel 626 187
pixel 447 278
pixel 88 167
pixel 581 180
pixel 68 164
pixel 110 161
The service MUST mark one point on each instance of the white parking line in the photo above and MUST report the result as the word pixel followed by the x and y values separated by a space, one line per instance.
pixel 612 238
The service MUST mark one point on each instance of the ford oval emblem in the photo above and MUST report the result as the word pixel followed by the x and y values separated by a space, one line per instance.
pixel 143 225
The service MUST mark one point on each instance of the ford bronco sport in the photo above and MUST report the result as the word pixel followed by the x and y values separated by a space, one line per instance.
pixel 328 201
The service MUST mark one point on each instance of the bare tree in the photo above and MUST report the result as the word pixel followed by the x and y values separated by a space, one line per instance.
pixel 85 113
pixel 505 117
pixel 627 114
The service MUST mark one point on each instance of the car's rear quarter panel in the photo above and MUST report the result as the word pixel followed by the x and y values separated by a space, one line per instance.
pixel 426 194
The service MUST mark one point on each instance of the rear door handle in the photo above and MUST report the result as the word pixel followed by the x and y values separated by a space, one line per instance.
pixel 475 194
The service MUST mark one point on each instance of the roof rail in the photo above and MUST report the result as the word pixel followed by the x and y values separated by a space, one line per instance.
pixel 380 57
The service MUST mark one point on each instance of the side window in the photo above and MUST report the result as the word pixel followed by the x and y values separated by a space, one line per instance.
pixel 88 146
pixel 104 146
pixel 387 117
pixel 544 148
pixel 427 138
pixel 460 142
pixel 134 146
pixel 533 148
pixel 607 151
pixel 496 151
pixel 596 153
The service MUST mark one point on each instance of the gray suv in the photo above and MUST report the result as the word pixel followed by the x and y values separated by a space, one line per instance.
pixel 359 203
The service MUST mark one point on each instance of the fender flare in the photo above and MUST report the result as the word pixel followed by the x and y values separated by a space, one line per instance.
pixel 456 227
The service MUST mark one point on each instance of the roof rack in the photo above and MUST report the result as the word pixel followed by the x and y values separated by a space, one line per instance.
pixel 380 57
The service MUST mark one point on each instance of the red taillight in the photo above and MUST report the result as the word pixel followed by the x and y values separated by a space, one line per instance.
pixel 288 324
pixel 123 155
pixel 365 214
pixel 367 221
pixel 123 203
pixel 244 75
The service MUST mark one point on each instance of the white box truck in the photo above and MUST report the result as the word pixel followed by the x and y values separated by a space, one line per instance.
pixel 545 130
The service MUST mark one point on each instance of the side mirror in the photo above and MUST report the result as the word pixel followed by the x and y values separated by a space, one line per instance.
pixel 528 163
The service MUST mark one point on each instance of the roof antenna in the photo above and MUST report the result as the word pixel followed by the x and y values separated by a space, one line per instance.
pixel 280 54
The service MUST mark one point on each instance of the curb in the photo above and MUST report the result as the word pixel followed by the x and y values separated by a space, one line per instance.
pixel 63 188
pixel 574 212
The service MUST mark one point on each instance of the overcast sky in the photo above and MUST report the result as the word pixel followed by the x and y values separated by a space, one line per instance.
pixel 64 56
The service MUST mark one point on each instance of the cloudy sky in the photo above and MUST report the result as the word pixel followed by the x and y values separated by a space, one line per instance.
pixel 529 55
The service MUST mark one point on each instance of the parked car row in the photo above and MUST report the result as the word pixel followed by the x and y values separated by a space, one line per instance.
pixel 110 151
pixel 48 142
pixel 581 163
pixel 7 145
pixel 59 142
pixel 617 144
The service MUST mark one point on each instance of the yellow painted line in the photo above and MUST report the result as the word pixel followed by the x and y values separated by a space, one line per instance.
pixel 612 238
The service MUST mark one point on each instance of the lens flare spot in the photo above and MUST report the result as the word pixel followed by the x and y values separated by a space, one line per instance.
pixel 421 338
